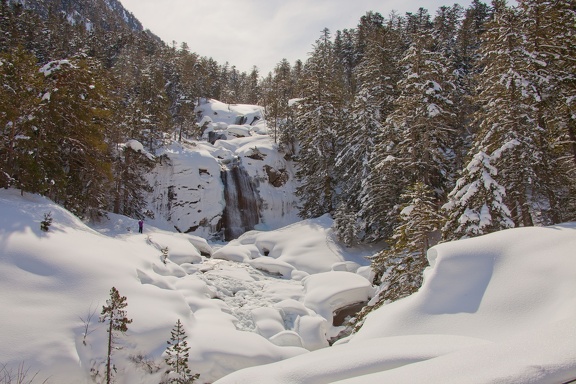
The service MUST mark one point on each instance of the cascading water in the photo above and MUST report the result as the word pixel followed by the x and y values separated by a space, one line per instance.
pixel 241 212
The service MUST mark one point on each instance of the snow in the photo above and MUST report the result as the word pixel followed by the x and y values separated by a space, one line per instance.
pixel 53 66
pixel 228 114
pixel 499 308
pixel 236 314
pixel 188 190
pixel 351 289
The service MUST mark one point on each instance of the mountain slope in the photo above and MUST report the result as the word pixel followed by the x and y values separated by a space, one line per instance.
pixel 106 15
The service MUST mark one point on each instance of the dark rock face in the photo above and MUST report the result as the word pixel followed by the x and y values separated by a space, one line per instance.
pixel 241 213
pixel 276 177
pixel 342 314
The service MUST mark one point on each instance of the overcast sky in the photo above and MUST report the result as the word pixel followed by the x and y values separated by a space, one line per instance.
pixel 260 32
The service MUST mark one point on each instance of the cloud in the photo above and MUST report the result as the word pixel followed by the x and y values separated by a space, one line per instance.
pixel 259 32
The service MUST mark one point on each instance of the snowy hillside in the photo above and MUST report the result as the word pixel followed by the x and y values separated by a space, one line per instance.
pixel 495 309
pixel 192 182
pixel 499 308
pixel 236 315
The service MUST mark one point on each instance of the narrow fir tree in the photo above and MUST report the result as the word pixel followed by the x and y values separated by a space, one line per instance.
pixel 318 120
pixel 506 113
pixel 18 109
pixel 376 75
pixel 424 116
pixel 548 31
pixel 114 314
pixel 401 266
pixel 177 355
pixel 398 269
pixel 345 224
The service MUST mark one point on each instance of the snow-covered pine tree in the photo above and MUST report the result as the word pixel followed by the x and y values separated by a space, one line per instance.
pixel 177 355
pixel 476 205
pixel 19 102
pixel 155 121
pixel 345 52
pixel 318 119
pixel 130 167
pixel 506 113
pixel 465 58
pixel 549 31
pixel 280 92
pixel 252 89
pixel 447 23
pixel 183 91
pixel 399 268
pixel 424 116
pixel 418 220
pixel 376 75
pixel 70 134
pixel 114 314
pixel 346 225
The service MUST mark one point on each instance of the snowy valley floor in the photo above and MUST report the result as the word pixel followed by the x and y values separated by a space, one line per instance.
pixel 495 309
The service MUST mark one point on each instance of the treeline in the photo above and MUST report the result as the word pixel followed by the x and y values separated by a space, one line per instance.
pixel 419 128
pixel 76 88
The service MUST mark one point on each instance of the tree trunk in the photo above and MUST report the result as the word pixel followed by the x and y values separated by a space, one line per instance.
pixel 572 135
pixel 108 373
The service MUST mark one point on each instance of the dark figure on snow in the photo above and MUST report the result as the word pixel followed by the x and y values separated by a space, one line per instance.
pixel 140 225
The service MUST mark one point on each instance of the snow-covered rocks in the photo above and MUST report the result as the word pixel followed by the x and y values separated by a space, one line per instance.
pixel 327 292
pixel 187 189
pixel 497 308
pixel 191 182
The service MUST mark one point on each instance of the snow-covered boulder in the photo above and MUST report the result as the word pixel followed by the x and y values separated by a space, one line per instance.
pixel 328 292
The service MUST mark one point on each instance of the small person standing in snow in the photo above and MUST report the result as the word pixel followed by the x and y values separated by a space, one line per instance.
pixel 140 225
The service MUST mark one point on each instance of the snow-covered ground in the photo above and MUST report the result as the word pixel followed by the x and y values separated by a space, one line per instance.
pixel 495 309
pixel 236 314
pixel 499 308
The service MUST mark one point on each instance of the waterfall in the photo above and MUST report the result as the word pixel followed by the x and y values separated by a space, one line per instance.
pixel 241 212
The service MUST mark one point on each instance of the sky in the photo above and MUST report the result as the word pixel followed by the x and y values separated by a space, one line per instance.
pixel 245 33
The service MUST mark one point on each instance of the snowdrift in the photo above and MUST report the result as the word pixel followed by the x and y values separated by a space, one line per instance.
pixel 235 314
pixel 495 309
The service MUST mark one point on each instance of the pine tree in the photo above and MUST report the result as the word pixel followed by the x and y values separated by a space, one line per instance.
pixel 424 117
pixel 114 314
pixel 346 225
pixel 130 184
pixel 376 75
pixel 71 124
pixel 18 109
pixel 548 30
pixel 465 58
pixel 318 120
pixel 399 268
pixel 476 205
pixel 507 114
pixel 382 177
pixel 177 355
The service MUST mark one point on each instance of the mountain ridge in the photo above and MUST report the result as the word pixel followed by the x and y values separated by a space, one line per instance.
pixel 108 15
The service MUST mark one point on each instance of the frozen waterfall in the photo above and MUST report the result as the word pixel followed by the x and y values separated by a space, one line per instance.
pixel 241 212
